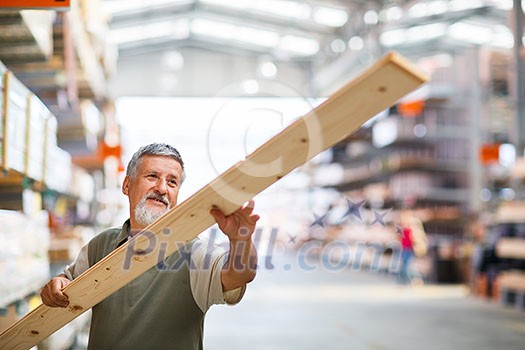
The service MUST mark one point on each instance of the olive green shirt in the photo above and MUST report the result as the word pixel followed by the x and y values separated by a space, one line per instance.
pixel 164 307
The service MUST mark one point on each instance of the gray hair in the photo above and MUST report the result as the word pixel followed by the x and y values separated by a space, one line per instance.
pixel 154 149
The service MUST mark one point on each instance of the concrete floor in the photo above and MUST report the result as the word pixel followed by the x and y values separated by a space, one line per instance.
pixel 289 308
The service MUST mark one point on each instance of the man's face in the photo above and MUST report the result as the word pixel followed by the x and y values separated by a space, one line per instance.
pixel 153 190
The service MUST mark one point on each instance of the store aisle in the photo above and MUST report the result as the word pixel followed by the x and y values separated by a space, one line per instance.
pixel 293 309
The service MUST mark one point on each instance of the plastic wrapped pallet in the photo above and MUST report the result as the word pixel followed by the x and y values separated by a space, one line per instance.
pixel 57 175
pixel 50 142
pixel 3 71
pixel 24 263
pixel 37 113
pixel 82 184
pixel 40 24
pixel 14 118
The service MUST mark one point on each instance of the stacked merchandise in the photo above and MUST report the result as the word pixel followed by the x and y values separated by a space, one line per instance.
pixel 37 115
pixel 14 114
pixel 24 264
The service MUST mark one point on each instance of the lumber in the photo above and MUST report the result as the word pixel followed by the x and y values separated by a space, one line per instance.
pixel 510 247
pixel 376 89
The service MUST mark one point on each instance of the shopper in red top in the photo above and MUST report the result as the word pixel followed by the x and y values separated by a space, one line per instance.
pixel 413 243
pixel 407 254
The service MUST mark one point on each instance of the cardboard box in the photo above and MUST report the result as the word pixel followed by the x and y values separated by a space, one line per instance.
pixel 3 71
pixel 15 122
pixel 35 135
pixel 58 170
pixel 50 141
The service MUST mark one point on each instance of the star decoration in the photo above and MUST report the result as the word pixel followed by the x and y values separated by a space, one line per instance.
pixel 319 220
pixel 353 209
pixel 291 238
pixel 399 231
pixel 379 218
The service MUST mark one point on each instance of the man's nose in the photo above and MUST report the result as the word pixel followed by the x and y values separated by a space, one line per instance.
pixel 162 186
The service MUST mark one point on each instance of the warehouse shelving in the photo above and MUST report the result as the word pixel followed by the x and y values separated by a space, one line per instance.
pixel 26 35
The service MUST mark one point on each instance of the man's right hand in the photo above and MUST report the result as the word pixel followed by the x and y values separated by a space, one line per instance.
pixel 52 294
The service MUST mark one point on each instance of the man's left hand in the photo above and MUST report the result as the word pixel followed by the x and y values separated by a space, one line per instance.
pixel 240 224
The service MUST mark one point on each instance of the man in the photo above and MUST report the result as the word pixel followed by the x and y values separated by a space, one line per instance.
pixel 163 308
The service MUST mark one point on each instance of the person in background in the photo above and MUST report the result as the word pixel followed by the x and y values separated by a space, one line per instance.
pixel 413 243
pixel 164 308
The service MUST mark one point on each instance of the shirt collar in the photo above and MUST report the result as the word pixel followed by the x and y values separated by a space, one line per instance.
pixel 123 235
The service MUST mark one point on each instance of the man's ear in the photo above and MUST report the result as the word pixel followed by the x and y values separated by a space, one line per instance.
pixel 125 185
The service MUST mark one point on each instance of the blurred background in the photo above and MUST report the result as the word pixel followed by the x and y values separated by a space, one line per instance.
pixel 85 83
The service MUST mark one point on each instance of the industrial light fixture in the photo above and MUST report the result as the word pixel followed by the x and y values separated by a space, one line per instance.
pixel 299 45
pixel 471 33
pixel 172 60
pixel 119 6
pixel 173 29
pixel 330 16
pixel 251 86
pixel 393 37
pixel 229 31
pixel 268 69
pixel 296 45
pixel 437 7
pixel 371 17
pixel 505 5
pixel 426 32
pixel 502 37
pixel 356 43
pixel 280 8
pixel 338 45
pixel 391 14
pixel 414 34
pixel 461 5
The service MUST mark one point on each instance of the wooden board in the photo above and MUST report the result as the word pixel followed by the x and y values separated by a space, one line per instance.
pixel 370 93
pixel 513 280
pixel 513 248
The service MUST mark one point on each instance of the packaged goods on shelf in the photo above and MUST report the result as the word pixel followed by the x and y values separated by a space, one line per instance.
pixel 14 116
pixel 3 71
pixel 57 171
pixel 96 21
pixel 82 184
pixel 26 35
pixel 417 184
pixel 93 79
pixel 57 162
pixel 50 137
pixel 511 212
pixel 24 263
pixel 65 246
pixel 9 316
pixel 35 131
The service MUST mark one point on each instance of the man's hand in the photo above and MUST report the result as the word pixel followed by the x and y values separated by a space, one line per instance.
pixel 242 261
pixel 52 294
pixel 239 225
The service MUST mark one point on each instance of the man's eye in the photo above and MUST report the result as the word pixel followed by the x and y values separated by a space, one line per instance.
pixel 172 183
pixel 151 176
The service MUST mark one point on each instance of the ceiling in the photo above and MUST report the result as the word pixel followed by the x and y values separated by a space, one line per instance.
pixel 203 47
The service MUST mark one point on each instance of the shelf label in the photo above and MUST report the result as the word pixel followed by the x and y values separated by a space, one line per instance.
pixel 489 153
pixel 36 4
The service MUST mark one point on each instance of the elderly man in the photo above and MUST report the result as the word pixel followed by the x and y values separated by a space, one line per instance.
pixel 164 308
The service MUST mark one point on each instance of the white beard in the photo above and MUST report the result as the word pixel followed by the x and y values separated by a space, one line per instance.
pixel 146 216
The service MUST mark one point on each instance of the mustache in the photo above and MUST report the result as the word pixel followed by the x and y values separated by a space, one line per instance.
pixel 158 197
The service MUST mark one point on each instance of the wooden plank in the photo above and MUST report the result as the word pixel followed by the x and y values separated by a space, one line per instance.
pixel 513 280
pixel 513 248
pixel 375 90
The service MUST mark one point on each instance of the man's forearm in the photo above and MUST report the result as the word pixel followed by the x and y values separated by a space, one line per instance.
pixel 242 265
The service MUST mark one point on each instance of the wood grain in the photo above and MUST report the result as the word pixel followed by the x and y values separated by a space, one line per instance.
pixel 376 89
